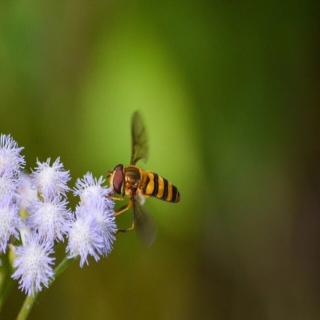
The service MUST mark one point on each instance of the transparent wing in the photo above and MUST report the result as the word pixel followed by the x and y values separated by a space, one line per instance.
pixel 143 224
pixel 139 147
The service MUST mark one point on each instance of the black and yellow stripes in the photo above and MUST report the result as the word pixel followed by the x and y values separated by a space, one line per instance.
pixel 161 188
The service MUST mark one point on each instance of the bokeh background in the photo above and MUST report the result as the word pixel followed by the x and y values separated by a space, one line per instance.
pixel 230 95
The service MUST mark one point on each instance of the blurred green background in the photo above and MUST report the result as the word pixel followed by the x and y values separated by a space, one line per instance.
pixel 230 95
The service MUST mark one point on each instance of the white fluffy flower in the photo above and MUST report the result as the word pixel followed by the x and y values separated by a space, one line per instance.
pixel 33 264
pixel 93 232
pixel 103 217
pixel 11 161
pixel 51 180
pixel 90 189
pixel 50 218
pixel 27 192
pixel 84 240
pixel 9 222
pixel 8 188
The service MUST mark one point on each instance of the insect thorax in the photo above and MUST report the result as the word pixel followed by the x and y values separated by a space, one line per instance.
pixel 132 179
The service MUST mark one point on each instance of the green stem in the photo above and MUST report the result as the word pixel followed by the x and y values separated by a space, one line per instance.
pixel 5 292
pixel 30 300
pixel 27 306
pixel 6 283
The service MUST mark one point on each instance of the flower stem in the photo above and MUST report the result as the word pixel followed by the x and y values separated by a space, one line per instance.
pixel 61 267
pixel 30 300
pixel 6 283
pixel 26 307
pixel 5 292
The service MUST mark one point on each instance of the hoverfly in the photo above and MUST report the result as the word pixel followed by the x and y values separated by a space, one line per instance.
pixel 136 184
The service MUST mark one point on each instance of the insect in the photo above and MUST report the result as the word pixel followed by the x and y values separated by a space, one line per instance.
pixel 137 184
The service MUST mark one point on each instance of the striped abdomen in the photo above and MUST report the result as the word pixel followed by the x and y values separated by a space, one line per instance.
pixel 159 187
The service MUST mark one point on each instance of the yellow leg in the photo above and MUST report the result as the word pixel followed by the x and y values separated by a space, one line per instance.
pixel 116 198
pixel 126 230
pixel 123 209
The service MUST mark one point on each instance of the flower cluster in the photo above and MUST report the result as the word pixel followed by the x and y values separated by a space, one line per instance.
pixel 93 231
pixel 35 215
pixel 11 165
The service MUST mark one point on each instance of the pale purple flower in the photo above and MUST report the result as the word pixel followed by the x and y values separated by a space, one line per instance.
pixel 103 217
pixel 33 264
pixel 51 180
pixel 11 160
pixel 26 192
pixel 50 218
pixel 90 189
pixel 9 222
pixel 84 239
pixel 8 188
pixel 95 203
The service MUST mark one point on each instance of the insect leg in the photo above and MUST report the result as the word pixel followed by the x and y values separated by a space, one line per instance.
pixel 115 198
pixel 123 209
pixel 127 229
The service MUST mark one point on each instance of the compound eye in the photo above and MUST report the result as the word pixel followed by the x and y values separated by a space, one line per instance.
pixel 118 179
